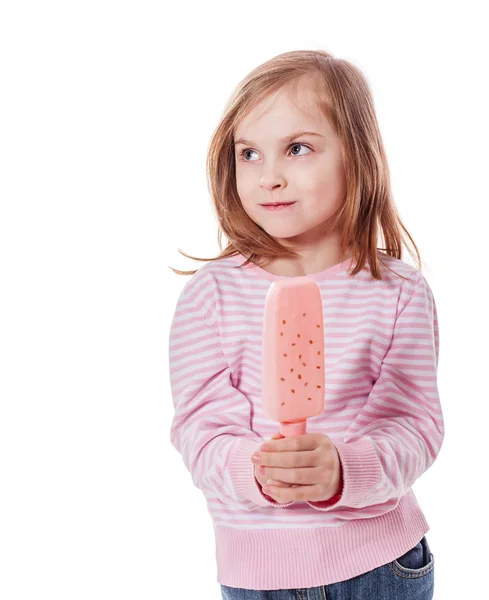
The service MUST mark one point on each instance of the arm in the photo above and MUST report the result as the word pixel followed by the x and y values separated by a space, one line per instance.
pixel 398 433
pixel 211 423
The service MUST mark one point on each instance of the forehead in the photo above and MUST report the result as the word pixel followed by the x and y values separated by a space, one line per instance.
pixel 283 111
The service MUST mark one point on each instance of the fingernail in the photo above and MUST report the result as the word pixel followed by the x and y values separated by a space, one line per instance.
pixel 255 458
pixel 265 447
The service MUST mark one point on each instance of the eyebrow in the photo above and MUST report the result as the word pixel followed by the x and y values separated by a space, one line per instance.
pixel 287 138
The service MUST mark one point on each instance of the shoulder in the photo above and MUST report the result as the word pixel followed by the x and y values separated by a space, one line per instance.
pixel 211 272
pixel 203 287
pixel 415 289
pixel 397 270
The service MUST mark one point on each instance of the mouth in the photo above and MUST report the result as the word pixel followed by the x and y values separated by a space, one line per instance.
pixel 277 204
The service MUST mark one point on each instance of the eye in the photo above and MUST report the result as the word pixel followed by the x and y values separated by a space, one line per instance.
pixel 245 150
pixel 299 144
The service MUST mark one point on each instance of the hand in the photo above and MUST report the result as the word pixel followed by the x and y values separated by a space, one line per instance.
pixel 310 461
pixel 262 479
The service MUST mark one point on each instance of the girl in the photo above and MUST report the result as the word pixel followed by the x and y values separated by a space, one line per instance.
pixel 330 513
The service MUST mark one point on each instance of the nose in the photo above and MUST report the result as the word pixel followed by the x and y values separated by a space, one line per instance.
pixel 272 182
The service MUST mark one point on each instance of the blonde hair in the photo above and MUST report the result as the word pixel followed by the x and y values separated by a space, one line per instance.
pixel 344 97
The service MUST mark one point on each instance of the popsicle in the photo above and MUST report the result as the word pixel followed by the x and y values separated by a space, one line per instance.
pixel 293 354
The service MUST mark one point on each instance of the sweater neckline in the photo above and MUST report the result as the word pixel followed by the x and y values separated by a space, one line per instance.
pixel 328 273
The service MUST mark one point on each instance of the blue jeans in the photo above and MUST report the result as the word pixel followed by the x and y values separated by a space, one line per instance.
pixel 409 577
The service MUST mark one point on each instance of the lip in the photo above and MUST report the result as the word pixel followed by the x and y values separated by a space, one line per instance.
pixel 277 205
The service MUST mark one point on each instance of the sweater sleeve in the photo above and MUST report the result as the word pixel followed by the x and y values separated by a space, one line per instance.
pixel 211 423
pixel 399 431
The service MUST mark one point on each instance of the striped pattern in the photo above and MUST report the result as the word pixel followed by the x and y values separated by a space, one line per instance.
pixel 382 408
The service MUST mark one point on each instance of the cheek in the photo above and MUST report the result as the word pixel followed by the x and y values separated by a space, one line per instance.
pixel 327 184
pixel 310 174
pixel 318 187
pixel 246 187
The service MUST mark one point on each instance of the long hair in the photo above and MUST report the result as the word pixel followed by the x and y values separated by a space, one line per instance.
pixel 343 96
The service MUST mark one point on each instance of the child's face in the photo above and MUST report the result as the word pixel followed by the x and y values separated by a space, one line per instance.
pixel 271 170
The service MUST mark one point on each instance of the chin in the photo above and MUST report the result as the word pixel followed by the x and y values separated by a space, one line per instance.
pixel 277 229
pixel 284 233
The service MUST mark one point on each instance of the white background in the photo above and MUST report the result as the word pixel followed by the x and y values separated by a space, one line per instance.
pixel 106 111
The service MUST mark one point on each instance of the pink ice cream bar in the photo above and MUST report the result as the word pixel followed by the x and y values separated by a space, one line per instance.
pixel 293 354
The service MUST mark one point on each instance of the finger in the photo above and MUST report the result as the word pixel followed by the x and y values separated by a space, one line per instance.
pixel 264 480
pixel 294 443
pixel 280 483
pixel 282 495
pixel 292 460
pixel 306 476
pixel 277 483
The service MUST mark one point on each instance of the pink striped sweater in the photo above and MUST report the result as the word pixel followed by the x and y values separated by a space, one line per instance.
pixel 382 412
